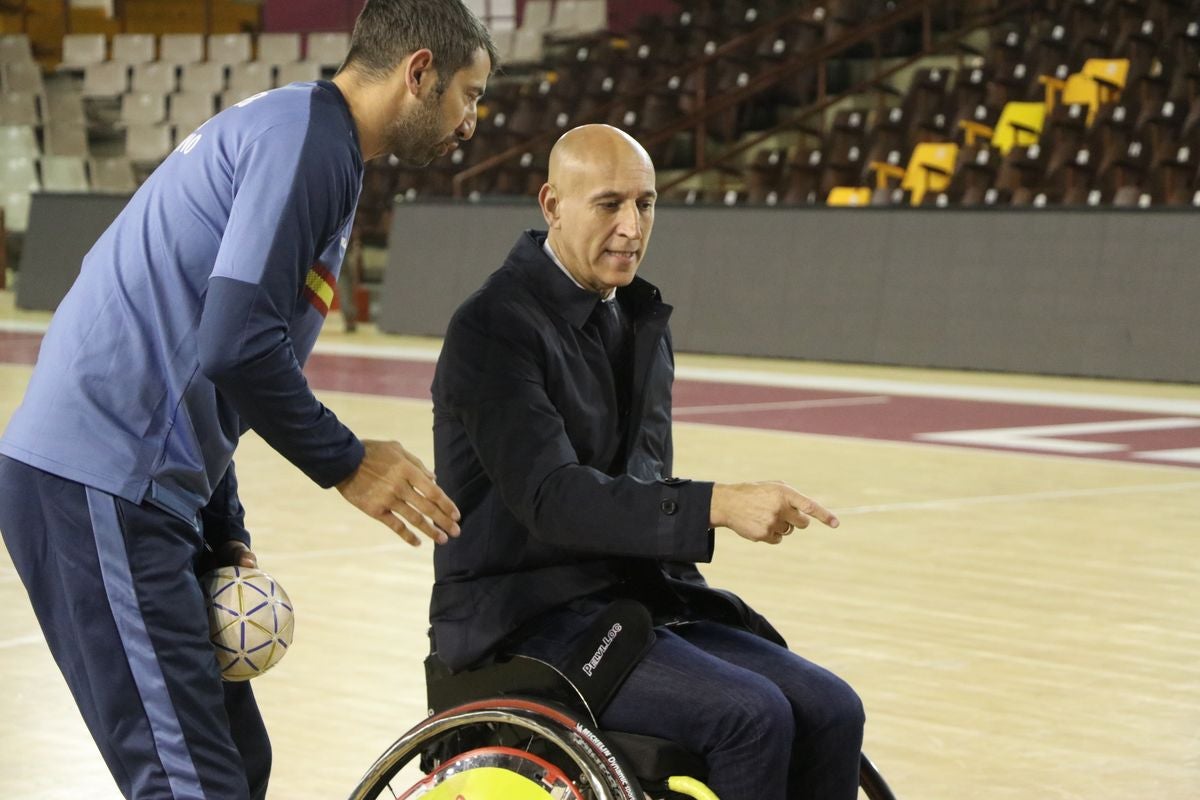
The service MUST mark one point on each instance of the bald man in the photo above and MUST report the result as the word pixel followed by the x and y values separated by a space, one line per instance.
pixel 552 434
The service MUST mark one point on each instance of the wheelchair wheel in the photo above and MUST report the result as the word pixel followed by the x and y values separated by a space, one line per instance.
pixel 504 735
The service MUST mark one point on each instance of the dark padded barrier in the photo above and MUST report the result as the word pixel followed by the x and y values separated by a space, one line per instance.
pixel 62 228
pixel 1097 292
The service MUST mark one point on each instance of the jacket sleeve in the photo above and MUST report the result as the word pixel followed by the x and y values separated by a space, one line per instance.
pixel 492 379
pixel 286 203
pixel 224 518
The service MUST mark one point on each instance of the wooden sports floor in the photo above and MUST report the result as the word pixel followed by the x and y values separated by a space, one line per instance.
pixel 1014 591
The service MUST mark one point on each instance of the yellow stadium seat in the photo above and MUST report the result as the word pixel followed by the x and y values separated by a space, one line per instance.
pixel 1019 124
pixel 1083 90
pixel 929 169
pixel 849 196
pixel 1110 75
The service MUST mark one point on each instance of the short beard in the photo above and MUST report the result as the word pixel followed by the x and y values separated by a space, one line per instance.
pixel 414 139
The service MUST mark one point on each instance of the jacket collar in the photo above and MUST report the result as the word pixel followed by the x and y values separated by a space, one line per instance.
pixel 560 294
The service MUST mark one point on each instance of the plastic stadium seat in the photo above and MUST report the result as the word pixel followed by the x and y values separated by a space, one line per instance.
pixel 133 48
pixel 181 48
pixel 1109 75
pixel 108 79
pixel 156 76
pixel 82 49
pixel 112 175
pixel 15 47
pixel 538 16
pixel 143 108
pixel 19 108
pixel 66 138
pixel 849 196
pixel 18 140
pixel 204 77
pixel 189 110
pixel 18 174
pixel 1019 124
pixel 929 169
pixel 327 48
pixel 64 108
pixel 527 46
pixel 229 48
pixel 64 174
pixel 147 143
pixel 278 48
pixel 250 78
pixel 299 72
pixel 16 211
pixel 24 76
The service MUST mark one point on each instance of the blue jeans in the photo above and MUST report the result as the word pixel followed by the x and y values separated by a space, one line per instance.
pixel 770 724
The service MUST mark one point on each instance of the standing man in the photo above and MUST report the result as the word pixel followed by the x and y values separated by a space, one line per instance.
pixel 189 324
pixel 552 432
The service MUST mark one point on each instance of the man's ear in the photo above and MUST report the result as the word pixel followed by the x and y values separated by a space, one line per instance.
pixel 419 73
pixel 548 200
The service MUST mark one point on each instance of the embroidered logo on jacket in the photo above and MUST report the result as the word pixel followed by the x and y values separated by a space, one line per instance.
pixel 318 288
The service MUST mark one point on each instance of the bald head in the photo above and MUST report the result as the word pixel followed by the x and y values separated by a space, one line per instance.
pixel 591 147
pixel 598 202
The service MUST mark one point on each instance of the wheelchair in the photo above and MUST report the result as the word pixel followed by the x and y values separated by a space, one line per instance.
pixel 520 730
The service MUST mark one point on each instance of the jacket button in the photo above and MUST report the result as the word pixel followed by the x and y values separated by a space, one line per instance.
pixel 669 507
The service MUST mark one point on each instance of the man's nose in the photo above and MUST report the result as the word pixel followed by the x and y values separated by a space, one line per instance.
pixel 629 221
pixel 466 128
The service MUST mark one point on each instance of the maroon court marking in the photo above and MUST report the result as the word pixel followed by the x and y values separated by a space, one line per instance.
pixel 831 413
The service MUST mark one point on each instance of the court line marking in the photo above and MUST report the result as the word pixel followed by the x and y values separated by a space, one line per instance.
pixel 946 448
pixel 780 405
pixel 1056 494
pixel 22 641
pixel 870 386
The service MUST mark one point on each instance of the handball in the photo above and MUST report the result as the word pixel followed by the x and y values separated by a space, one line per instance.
pixel 250 620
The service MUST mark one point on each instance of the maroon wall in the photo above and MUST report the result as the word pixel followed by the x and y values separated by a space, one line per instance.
pixel 310 15
pixel 339 15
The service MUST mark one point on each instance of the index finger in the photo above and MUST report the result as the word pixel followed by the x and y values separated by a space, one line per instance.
pixel 812 508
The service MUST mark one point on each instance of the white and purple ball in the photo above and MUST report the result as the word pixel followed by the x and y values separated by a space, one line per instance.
pixel 250 620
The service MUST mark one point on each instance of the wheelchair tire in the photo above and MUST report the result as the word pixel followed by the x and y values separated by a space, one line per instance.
pixel 554 733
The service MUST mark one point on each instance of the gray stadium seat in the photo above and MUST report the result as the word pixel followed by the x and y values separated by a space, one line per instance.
pixel 64 174
pixel 278 48
pixel 82 49
pixel 66 138
pixel 229 48
pixel 143 108
pixel 155 76
pixel 107 79
pixel 327 49
pixel 204 77
pixel 298 72
pixel 15 47
pixel 181 48
pixel 19 108
pixel 23 76
pixel 133 48
pixel 250 78
pixel 189 110
pixel 18 140
pixel 112 175
pixel 147 144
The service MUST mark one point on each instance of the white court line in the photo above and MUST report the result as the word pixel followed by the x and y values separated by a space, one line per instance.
pixel 22 326
pixel 22 641
pixel 950 503
pixel 870 386
pixel 1149 405
pixel 831 402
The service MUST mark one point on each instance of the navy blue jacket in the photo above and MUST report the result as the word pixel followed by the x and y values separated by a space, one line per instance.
pixel 527 439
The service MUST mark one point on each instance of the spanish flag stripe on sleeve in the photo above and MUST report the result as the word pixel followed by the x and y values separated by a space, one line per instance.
pixel 318 288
